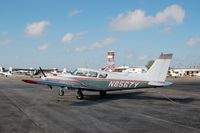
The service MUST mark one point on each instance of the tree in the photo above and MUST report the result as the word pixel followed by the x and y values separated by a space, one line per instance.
pixel 149 64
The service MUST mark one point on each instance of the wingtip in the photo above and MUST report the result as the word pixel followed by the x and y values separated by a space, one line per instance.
pixel 29 81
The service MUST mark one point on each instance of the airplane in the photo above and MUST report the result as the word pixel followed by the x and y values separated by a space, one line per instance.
pixel 32 71
pixel 25 71
pixel 5 72
pixel 84 79
pixel 197 74
pixel 57 72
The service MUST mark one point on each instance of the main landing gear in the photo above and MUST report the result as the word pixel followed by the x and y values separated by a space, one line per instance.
pixel 79 95
pixel 102 93
pixel 61 92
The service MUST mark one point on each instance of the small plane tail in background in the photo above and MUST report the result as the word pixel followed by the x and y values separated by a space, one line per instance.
pixel 10 70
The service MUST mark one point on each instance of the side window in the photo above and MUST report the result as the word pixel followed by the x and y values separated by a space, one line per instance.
pixel 103 75
pixel 92 74
pixel 80 73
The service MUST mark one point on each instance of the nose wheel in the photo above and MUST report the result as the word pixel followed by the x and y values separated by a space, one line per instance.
pixel 79 95
pixel 61 92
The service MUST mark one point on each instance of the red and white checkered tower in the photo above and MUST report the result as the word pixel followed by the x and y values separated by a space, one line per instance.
pixel 111 57
pixel 110 62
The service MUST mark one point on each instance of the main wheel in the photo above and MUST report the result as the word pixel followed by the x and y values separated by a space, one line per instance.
pixel 102 93
pixel 79 95
pixel 61 92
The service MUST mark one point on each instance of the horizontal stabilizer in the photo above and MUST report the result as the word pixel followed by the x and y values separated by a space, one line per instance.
pixel 152 83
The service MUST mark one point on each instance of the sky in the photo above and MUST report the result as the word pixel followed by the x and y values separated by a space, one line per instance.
pixel 76 33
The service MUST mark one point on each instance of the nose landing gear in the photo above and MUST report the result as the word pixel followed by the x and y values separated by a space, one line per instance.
pixel 79 95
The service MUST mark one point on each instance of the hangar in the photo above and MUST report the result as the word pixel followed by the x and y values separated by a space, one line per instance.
pixel 180 72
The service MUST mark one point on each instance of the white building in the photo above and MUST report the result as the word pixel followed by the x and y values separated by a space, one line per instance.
pixel 180 72
pixel 136 70
pixel 127 69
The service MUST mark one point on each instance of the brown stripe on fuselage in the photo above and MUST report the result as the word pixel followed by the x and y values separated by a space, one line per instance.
pixel 105 79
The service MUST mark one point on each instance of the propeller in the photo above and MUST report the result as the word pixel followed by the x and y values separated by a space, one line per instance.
pixel 42 72
pixel 45 76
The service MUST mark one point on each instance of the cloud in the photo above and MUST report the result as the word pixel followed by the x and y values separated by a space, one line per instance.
pixel 137 19
pixel 3 33
pixel 69 37
pixel 106 42
pixel 74 12
pixel 142 57
pixel 193 41
pixel 43 47
pixel 36 29
pixel 96 45
pixel 130 55
pixel 81 49
pixel 5 42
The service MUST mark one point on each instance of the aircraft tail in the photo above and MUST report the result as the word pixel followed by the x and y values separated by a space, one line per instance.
pixel 10 70
pixel 158 71
pixel 1 69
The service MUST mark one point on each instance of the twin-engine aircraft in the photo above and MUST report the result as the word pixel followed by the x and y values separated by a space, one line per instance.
pixel 84 79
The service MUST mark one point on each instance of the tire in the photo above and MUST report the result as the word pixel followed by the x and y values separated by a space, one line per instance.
pixel 61 92
pixel 79 95
pixel 102 93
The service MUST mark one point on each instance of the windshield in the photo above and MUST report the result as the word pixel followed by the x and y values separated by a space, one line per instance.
pixel 74 72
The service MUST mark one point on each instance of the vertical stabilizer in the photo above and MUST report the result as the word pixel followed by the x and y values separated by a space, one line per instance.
pixel 1 69
pixel 158 71
pixel 10 70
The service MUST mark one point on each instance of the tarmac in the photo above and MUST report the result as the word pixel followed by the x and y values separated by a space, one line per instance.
pixel 26 108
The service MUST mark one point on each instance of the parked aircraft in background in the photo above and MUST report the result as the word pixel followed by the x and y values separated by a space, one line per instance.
pixel 25 71
pixel 57 72
pixel 84 79
pixel 32 71
pixel 5 72
pixel 197 74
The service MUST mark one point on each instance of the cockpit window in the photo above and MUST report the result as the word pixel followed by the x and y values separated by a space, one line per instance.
pixel 103 75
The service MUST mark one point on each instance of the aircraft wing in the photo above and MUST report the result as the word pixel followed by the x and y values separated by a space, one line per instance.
pixel 49 83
